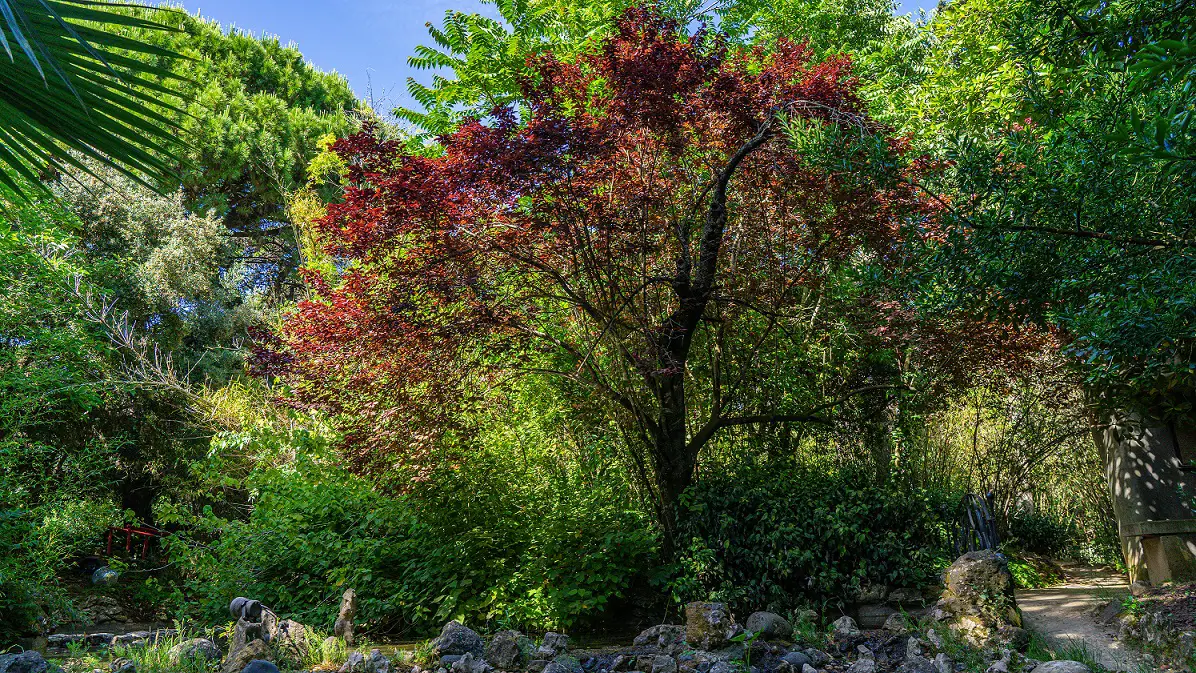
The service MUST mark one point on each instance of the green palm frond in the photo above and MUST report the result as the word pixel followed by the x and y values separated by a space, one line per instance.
pixel 76 86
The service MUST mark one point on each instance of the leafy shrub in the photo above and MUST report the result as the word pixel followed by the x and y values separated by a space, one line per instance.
pixel 1047 533
pixel 485 541
pixel 778 535
pixel 36 546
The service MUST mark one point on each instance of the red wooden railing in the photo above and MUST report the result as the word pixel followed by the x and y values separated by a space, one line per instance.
pixel 145 535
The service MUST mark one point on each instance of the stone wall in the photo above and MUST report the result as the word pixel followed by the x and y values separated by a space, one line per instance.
pixel 1153 499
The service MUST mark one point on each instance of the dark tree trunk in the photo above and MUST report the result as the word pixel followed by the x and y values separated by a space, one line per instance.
pixel 673 461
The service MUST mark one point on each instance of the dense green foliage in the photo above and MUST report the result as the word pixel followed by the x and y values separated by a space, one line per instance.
pixel 1054 285
pixel 780 535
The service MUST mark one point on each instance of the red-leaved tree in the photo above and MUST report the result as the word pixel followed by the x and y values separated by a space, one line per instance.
pixel 649 202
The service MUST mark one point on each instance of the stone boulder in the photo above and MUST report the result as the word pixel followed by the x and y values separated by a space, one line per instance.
pixel 769 626
pixel 241 657
pixel 343 627
pixel 260 666
pixel 663 664
pixel 896 623
pixel 794 661
pixel 708 626
pixel 195 649
pixel 844 628
pixel 916 664
pixel 457 639
pixel 288 638
pixel 471 664
pixel 978 602
pixel 1062 667
pixel 377 662
pixel 552 646
pixel 24 662
pixel 354 663
pixel 661 635
pixel 122 665
pixel 509 650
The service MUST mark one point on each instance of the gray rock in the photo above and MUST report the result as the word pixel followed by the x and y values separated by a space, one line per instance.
pixel 796 660
pixel 769 626
pixel 913 647
pixel 817 657
pixel 556 667
pixel 553 645
pixel 1001 666
pixel 896 623
pixel 24 662
pixel 663 664
pixel 195 649
pixel 916 664
pixel 622 662
pixel 864 652
pixel 808 669
pixel 721 667
pixel 354 663
pixel 943 664
pixel 708 626
pixel 377 662
pixel 537 665
pixel 343 626
pixel 449 659
pixel 288 638
pixel 471 664
pixel 1062 667
pixel 661 635
pixel 508 650
pixel 863 666
pixel 456 638
pixel 122 666
pixel 844 627
pixel 260 666
pixel 240 657
pixel 104 576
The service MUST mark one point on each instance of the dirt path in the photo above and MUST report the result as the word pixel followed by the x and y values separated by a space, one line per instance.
pixel 1068 612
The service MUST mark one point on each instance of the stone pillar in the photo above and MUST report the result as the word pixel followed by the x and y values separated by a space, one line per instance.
pixel 1154 499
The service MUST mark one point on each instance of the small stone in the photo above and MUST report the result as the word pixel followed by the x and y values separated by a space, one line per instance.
pixel 556 667
pixel 122 666
pixel 844 627
pixel 943 664
pixel 863 666
pixel 864 652
pixel 896 623
pixel 663 664
pixel 934 638
pixel 808 669
pixel 1062 667
pixel 998 667
pixel 260 666
pixel 537 665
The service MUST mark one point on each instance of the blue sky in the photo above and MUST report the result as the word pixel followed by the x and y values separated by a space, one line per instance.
pixel 367 41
